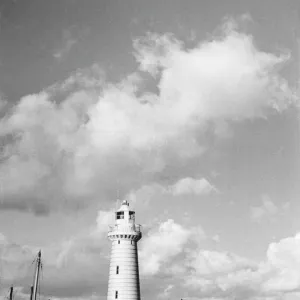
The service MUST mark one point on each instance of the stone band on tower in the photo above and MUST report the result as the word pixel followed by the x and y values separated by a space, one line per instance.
pixel 124 283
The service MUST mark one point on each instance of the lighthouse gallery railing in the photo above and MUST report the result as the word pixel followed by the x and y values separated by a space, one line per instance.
pixel 124 228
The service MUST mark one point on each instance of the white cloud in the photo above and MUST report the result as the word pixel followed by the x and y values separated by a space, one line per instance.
pixel 216 238
pixel 70 153
pixel 67 43
pixel 212 262
pixel 192 186
pixel 73 267
pixel 82 79
pixel 3 103
pixel 166 293
pixel 66 48
pixel 70 267
pixel 268 209
pixel 162 245
pixel 79 249
pixel 146 194
pixel 17 291
pixel 15 260
pixel 284 260
pixel 209 274
pixel 227 78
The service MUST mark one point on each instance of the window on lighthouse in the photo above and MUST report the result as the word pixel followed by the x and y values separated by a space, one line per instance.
pixel 131 215
pixel 120 215
pixel 117 270
pixel 116 296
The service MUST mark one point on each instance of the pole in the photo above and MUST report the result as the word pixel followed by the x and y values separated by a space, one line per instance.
pixel 37 274
pixel 31 292
pixel 11 293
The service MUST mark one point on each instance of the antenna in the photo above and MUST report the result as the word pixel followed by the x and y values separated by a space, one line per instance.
pixel 118 194
pixel 116 204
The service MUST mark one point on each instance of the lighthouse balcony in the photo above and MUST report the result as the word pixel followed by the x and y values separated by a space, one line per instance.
pixel 118 228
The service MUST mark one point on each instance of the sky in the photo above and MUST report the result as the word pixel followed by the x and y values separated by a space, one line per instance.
pixel 187 109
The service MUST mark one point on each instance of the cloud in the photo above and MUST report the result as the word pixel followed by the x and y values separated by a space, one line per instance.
pixel 166 293
pixel 82 248
pixel 192 186
pixel 76 267
pixel 15 261
pixel 3 103
pixel 82 79
pixel 147 193
pixel 268 209
pixel 17 291
pixel 227 78
pixel 284 260
pixel 70 153
pixel 68 42
pixel 216 238
pixel 70 37
pixel 162 245
pixel 207 274
pixel 169 260
pixel 183 186
pixel 207 264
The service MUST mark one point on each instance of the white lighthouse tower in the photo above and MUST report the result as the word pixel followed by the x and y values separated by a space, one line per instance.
pixel 124 282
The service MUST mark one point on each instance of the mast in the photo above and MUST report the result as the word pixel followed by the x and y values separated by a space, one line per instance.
pixel 11 293
pixel 31 292
pixel 36 278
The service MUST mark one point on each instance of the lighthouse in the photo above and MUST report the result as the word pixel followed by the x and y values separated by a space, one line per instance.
pixel 124 282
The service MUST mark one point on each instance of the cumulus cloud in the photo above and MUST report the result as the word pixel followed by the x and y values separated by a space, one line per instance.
pixel 65 49
pixel 163 244
pixel 2 104
pixel 91 78
pixel 68 41
pixel 76 267
pixel 268 209
pixel 210 262
pixel 184 186
pixel 227 78
pixel 17 291
pixel 75 151
pixel 208 274
pixel 70 268
pixel 284 260
pixel 166 293
pixel 192 186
